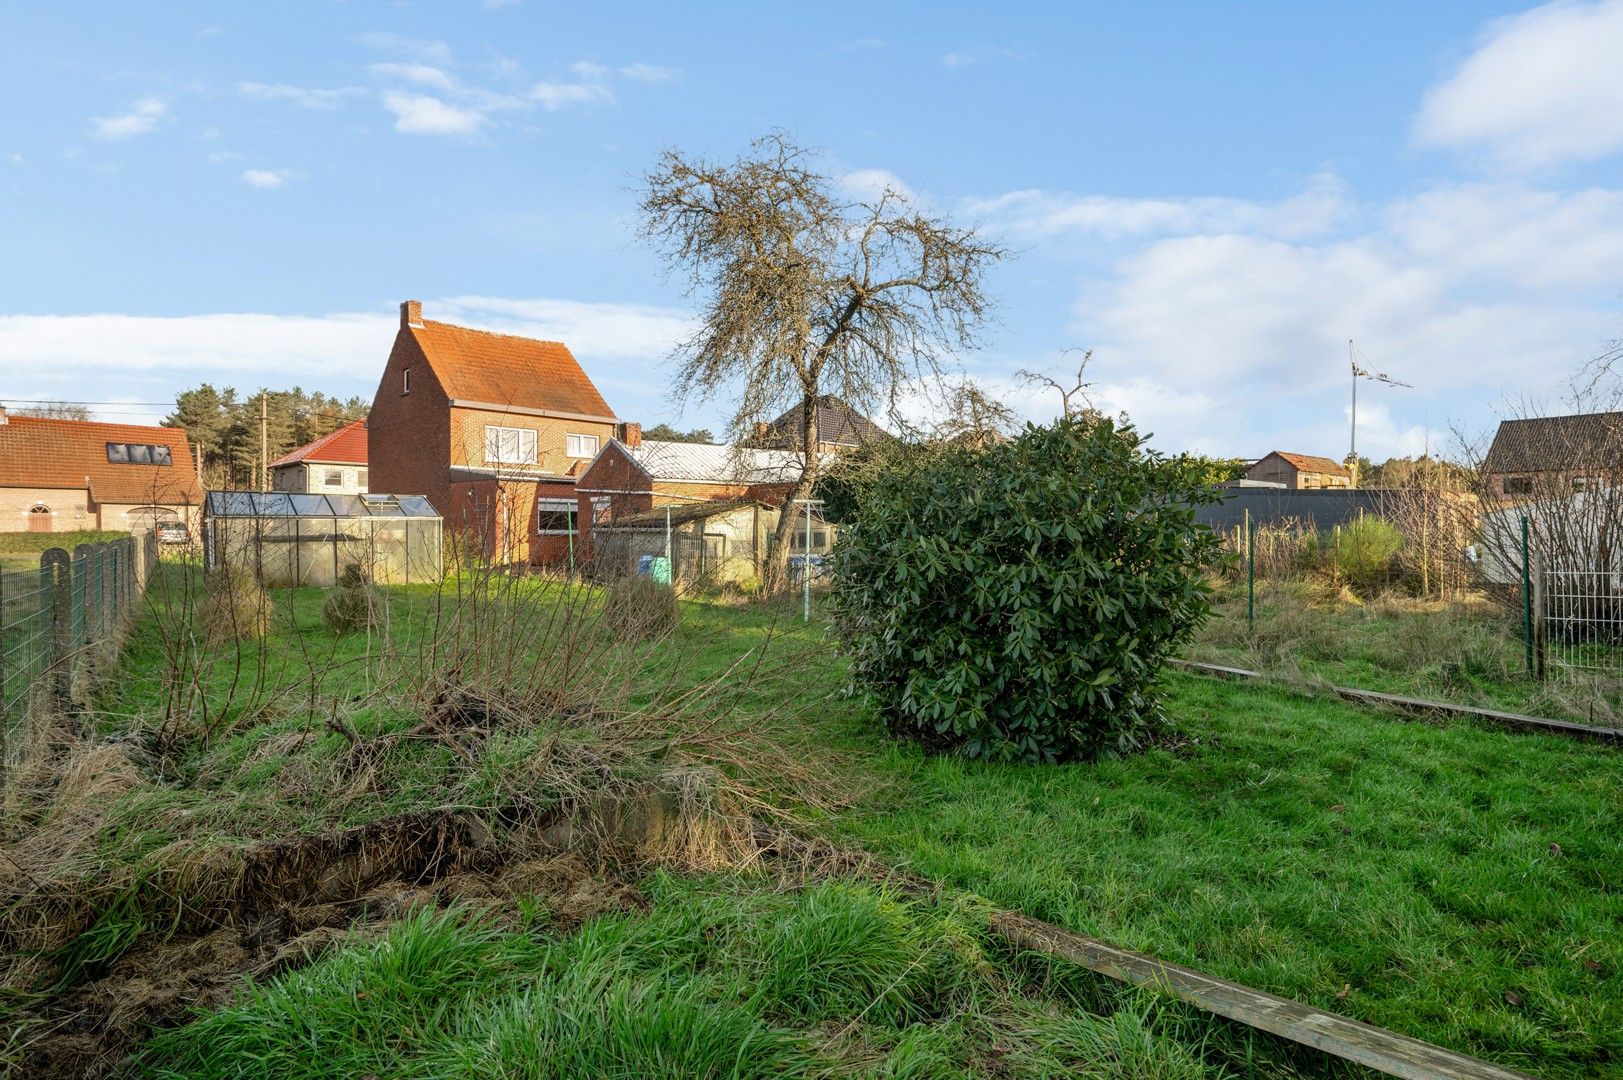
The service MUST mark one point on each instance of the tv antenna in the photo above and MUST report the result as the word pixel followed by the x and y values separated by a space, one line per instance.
pixel 1353 354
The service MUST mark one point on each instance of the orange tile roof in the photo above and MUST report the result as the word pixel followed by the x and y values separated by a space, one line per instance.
pixel 346 446
pixel 476 365
pixel 1313 463
pixel 36 452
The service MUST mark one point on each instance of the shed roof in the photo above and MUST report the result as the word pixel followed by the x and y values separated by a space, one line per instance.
pixel 39 452
pixel 681 515
pixel 346 446
pixel 505 369
pixel 279 504
pixel 1556 443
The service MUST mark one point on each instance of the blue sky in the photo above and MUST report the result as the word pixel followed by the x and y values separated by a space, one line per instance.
pixel 1213 197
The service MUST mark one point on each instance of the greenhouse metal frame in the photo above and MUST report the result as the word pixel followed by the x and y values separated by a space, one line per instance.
pixel 287 538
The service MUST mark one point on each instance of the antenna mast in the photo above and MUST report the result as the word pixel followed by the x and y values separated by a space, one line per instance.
pixel 1373 376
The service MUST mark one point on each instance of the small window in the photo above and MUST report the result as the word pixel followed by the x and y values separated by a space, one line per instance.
pixel 334 478
pixel 140 454
pixel 160 456
pixel 509 446
pixel 581 446
pixel 555 515
pixel 1518 485
pixel 117 451
pixel 1580 483
pixel 405 380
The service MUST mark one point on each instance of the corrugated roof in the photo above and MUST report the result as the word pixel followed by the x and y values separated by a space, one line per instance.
pixel 346 446
pixel 1313 463
pixel 712 463
pixel 837 422
pixel 1557 443
pixel 503 369
pixel 46 453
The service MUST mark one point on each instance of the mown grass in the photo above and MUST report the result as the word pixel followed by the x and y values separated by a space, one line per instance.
pixel 718 979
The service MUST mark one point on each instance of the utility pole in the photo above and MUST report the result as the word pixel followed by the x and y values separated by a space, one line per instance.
pixel 264 445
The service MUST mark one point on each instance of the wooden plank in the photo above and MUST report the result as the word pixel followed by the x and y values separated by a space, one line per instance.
pixel 1351 1040
pixel 1413 704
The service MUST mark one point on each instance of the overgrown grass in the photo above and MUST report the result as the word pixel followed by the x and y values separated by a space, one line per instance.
pixel 718 979
pixel 1453 882
pixel 34 542
pixel 1468 651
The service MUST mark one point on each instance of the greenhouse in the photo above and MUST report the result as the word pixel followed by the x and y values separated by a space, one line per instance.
pixel 292 539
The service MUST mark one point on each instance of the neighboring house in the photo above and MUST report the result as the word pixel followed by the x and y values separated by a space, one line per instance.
pixel 1553 455
pixel 839 427
pixel 334 464
pixel 64 475
pixel 492 428
pixel 722 540
pixel 1300 471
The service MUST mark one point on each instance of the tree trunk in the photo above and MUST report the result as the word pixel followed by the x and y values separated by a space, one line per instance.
pixel 775 565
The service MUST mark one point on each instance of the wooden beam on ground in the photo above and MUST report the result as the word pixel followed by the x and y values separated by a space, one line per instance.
pixel 1413 704
pixel 1352 1040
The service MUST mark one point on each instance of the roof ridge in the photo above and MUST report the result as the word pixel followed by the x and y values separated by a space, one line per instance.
pixel 490 333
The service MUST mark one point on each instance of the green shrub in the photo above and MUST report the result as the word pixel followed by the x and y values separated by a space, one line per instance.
pixel 234 606
pixel 356 604
pixel 1363 551
pixel 638 608
pixel 1018 601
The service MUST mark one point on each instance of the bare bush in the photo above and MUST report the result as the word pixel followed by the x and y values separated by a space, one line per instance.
pixel 234 607
pixel 638 608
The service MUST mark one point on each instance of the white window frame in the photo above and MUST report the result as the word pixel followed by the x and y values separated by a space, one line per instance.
pixel 327 477
pixel 405 381
pixel 557 506
pixel 520 448
pixel 575 445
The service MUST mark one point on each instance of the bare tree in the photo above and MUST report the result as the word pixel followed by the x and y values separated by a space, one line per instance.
pixel 1073 393
pixel 971 416
pixel 806 293
pixel 56 410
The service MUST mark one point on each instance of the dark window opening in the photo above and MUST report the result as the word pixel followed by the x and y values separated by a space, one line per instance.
pixel 1518 485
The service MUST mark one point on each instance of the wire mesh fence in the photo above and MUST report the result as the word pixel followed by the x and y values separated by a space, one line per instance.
pixel 1579 631
pixel 61 617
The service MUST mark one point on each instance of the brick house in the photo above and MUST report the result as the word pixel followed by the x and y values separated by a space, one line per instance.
pixel 632 475
pixel 1553 455
pixel 334 464
pixel 65 475
pixel 492 428
pixel 1300 471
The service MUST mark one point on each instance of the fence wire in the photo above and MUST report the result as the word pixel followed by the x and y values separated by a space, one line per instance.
pixel 61 616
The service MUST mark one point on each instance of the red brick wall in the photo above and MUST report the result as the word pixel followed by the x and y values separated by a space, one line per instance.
pixel 408 435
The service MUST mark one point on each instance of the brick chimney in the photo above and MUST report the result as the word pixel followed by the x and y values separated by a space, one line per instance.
pixel 411 314
pixel 631 434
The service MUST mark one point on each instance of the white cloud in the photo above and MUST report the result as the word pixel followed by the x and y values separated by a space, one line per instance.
pixel 585 69
pixel 553 96
pixel 427 51
pixel 140 118
pixel 146 358
pixel 305 97
pixel 420 114
pixel 420 74
pixel 869 184
pixel 219 157
pixel 1037 214
pixel 1542 88
pixel 650 73
pixel 1222 341
pixel 958 60
pixel 265 178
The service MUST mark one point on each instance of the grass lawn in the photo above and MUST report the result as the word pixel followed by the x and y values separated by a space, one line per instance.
pixel 1453 882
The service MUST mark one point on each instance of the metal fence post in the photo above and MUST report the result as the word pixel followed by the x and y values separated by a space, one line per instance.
pixel 56 585
pixel 1250 573
pixel 1527 600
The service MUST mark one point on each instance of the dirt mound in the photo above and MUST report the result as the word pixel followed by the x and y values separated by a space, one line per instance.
pixel 89 1031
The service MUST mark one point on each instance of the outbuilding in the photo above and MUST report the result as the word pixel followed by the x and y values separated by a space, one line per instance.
pixel 294 539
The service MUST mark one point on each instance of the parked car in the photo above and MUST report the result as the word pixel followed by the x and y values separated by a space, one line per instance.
pixel 173 532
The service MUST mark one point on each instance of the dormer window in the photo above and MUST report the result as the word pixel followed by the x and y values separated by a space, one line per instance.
pixel 138 454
